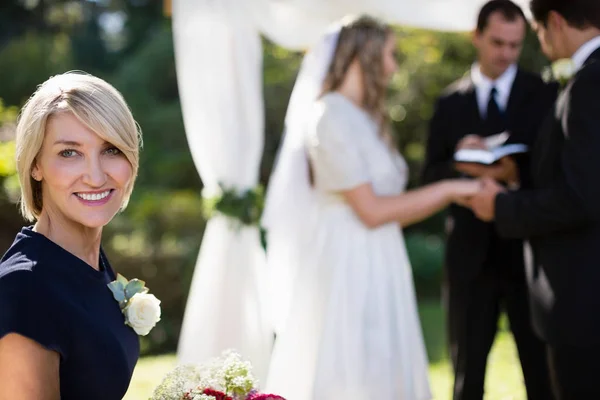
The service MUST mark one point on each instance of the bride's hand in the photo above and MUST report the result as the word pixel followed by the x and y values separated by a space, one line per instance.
pixel 460 191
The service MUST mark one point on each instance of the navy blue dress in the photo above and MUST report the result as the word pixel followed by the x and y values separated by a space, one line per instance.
pixel 56 299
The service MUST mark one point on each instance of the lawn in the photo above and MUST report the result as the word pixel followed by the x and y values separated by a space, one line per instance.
pixel 504 378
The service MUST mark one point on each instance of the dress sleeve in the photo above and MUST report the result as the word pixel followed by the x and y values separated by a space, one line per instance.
pixel 26 309
pixel 335 154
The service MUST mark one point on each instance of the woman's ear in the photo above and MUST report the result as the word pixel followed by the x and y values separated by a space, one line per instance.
pixel 36 174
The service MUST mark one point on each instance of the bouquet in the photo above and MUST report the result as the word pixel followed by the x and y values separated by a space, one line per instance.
pixel 224 378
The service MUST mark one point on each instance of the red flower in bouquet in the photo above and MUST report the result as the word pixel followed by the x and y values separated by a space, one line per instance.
pixel 264 396
pixel 210 392
pixel 216 394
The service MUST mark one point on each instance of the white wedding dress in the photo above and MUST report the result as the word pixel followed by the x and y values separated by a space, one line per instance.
pixel 353 331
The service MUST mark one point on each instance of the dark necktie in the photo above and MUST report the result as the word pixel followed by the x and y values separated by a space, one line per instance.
pixel 494 119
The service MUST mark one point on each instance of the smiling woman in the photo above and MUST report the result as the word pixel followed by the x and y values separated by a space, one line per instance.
pixel 69 119
pixel 62 335
pixel 87 179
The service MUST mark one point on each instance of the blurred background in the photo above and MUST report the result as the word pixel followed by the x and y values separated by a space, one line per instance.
pixel 129 43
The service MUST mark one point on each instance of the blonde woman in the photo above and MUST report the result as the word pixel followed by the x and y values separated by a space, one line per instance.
pixel 353 330
pixel 62 335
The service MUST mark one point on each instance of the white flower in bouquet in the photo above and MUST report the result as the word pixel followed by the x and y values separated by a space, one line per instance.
pixel 177 383
pixel 229 373
pixel 223 378
pixel 143 313
pixel 238 373
pixel 198 395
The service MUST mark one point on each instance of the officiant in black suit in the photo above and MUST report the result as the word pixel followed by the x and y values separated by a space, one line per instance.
pixel 483 273
pixel 560 216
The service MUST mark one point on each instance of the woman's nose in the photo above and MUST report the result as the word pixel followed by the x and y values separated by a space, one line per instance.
pixel 94 176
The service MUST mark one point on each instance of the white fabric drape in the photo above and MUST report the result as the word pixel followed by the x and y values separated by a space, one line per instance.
pixel 290 202
pixel 218 57
pixel 297 24
pixel 219 66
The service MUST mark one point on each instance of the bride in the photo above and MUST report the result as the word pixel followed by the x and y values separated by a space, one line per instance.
pixel 353 330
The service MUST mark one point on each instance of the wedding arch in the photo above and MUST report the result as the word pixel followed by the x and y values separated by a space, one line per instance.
pixel 218 58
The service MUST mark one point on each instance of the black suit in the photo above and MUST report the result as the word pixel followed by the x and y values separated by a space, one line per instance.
pixel 561 218
pixel 484 273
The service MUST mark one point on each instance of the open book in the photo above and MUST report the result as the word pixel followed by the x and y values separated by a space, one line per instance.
pixel 496 149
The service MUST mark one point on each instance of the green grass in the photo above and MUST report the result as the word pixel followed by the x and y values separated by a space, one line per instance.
pixel 504 380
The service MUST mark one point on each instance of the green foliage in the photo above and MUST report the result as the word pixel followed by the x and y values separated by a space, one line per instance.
pixel 426 253
pixel 118 290
pixel 9 182
pixel 27 61
pixel 8 118
pixel 148 76
pixel 148 81
pixel 245 208
pixel 143 16
pixel 158 223
pixel 166 160
pixel 7 158
pixel 134 287
pixel 123 289
pixel 88 49
pixel 280 70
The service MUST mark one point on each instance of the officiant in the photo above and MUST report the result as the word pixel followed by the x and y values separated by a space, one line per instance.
pixel 483 274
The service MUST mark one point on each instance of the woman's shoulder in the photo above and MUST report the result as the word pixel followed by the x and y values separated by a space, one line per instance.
pixel 338 120
pixel 333 104
pixel 334 111
pixel 23 261
pixel 28 305
pixel 26 277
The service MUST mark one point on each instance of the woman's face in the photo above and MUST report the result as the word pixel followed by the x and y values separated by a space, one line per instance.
pixel 83 177
pixel 390 65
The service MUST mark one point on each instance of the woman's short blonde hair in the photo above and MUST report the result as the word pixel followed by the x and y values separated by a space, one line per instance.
pixel 96 104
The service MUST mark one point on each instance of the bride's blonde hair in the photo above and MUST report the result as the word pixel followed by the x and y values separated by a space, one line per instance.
pixel 362 38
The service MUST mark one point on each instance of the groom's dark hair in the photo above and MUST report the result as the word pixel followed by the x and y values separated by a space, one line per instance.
pixel 579 14
pixel 509 10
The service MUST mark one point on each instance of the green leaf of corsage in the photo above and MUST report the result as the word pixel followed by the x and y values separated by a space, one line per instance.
pixel 141 309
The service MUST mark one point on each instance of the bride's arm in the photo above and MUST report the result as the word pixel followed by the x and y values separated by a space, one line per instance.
pixel 409 207
pixel 27 370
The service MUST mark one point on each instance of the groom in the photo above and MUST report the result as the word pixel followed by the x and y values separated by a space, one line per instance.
pixel 561 215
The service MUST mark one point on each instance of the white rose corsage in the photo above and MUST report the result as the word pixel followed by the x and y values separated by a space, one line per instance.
pixel 141 309
pixel 561 71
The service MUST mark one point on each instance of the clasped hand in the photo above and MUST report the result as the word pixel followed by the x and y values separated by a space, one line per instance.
pixel 482 203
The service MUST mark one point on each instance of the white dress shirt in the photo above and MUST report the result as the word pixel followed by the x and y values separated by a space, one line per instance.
pixel 483 87
pixel 585 51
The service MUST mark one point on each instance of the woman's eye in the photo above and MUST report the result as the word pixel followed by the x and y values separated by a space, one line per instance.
pixel 68 153
pixel 113 151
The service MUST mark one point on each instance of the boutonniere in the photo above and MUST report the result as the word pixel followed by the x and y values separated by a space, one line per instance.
pixel 141 309
pixel 560 71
